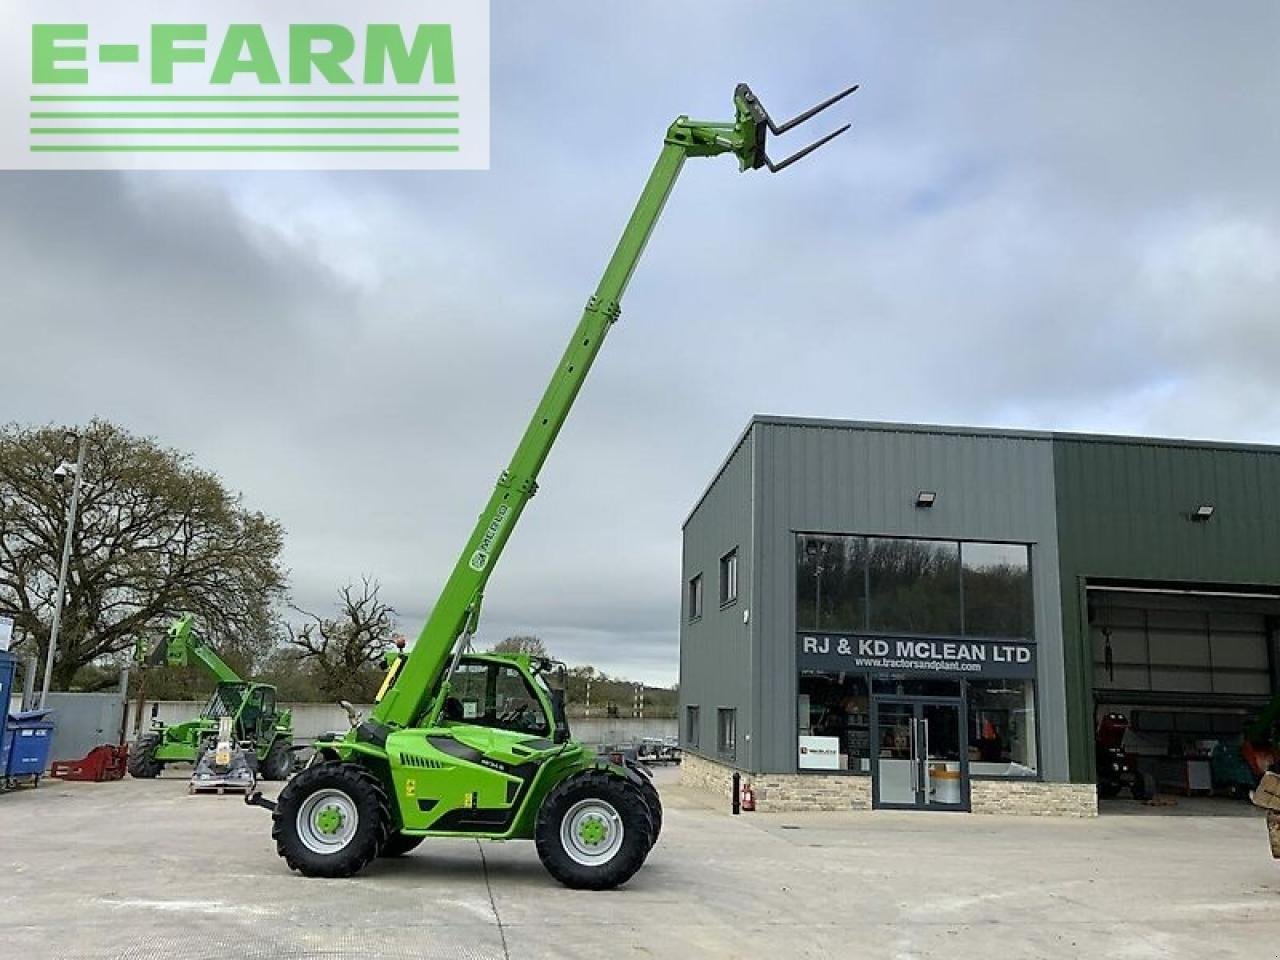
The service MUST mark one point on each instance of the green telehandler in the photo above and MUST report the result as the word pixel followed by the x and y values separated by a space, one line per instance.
pixel 255 718
pixel 461 744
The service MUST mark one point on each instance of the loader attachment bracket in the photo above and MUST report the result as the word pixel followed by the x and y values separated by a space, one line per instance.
pixel 747 136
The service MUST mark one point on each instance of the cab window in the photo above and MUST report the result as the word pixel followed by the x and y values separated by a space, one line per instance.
pixel 518 708
pixel 494 695
pixel 470 681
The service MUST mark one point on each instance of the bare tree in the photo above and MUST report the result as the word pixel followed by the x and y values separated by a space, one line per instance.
pixel 531 645
pixel 345 648
pixel 156 536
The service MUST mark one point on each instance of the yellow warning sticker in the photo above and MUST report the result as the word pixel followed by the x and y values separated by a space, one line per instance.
pixel 410 788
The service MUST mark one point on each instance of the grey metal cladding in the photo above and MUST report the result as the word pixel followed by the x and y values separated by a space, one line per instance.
pixel 715 651
pixel 828 476
pixel 1123 513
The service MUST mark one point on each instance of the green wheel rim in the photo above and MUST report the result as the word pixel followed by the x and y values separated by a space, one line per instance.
pixel 327 821
pixel 591 832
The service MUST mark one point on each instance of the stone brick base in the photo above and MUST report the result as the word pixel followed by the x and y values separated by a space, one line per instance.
pixel 776 792
pixel 1034 799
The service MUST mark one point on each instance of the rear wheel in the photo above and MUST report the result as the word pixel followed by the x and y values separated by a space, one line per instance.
pixel 278 762
pixel 653 802
pixel 142 758
pixel 331 820
pixel 398 844
pixel 594 830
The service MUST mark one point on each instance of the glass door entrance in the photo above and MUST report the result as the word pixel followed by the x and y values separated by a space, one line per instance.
pixel 919 763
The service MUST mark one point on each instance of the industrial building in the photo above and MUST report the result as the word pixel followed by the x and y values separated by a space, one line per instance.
pixel 906 616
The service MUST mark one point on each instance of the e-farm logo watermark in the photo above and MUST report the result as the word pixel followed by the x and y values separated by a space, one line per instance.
pixel 244 84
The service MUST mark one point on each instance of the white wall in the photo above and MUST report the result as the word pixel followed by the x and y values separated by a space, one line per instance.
pixel 312 719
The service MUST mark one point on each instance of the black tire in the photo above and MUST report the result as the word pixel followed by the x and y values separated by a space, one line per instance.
pixel 614 800
pixel 312 823
pixel 1108 789
pixel 142 757
pixel 653 802
pixel 278 763
pixel 398 844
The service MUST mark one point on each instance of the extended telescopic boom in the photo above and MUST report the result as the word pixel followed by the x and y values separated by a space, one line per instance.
pixel 181 645
pixel 408 692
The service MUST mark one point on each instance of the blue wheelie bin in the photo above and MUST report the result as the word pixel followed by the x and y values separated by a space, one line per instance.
pixel 30 737
pixel 8 669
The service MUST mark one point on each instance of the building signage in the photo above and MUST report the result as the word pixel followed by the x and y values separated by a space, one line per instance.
pixel 980 658
pixel 819 753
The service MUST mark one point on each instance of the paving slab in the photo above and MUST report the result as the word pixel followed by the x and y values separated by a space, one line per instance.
pixel 139 870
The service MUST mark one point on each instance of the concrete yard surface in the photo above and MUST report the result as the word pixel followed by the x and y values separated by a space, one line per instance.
pixel 141 870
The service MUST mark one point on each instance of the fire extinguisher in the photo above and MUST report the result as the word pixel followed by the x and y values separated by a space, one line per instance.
pixel 748 797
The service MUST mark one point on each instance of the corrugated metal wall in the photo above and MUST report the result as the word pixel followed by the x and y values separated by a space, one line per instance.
pixel 817 476
pixel 715 651
pixel 1123 509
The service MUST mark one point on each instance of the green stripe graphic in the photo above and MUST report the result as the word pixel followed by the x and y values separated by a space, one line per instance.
pixel 275 131
pixel 242 148
pixel 242 99
pixel 116 115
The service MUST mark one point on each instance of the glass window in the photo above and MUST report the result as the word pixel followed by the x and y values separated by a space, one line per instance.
pixel 907 685
pixel 833 715
pixel 997 590
pixel 914 586
pixel 729 577
pixel 727 731
pixel 831 583
pixel 515 705
pixel 692 723
pixel 1002 728
pixel 494 695
pixel 468 688
pixel 695 597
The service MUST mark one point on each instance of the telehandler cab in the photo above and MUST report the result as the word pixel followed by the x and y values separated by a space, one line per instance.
pixel 477 745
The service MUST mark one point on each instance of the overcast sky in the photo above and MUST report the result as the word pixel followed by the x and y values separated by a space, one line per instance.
pixel 1063 220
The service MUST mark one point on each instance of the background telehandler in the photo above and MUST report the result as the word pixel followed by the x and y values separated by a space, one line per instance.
pixel 255 718
pixel 463 744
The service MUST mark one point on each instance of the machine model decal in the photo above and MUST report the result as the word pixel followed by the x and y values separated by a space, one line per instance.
pixel 480 559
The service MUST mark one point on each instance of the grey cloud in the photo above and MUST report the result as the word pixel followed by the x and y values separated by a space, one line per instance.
pixel 1043 217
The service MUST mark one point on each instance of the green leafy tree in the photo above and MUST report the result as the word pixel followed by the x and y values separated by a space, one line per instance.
pixel 155 536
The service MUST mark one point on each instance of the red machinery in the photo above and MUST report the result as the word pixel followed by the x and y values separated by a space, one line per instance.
pixel 107 762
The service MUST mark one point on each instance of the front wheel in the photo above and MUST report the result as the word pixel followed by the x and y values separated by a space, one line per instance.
pixel 593 831
pixel 142 758
pixel 331 820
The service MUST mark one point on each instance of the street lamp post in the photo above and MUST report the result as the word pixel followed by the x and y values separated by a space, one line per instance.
pixel 72 512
